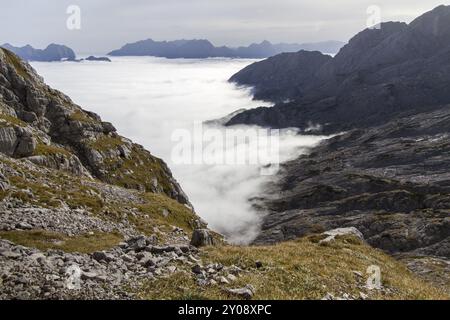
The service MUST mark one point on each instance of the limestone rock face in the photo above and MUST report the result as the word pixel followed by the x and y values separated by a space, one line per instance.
pixel 44 125
pixel 17 142
pixel 8 140
pixel 386 96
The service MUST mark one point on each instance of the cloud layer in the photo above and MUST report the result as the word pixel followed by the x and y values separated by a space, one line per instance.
pixel 147 99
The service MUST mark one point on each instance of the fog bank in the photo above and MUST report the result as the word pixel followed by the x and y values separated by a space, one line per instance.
pixel 148 99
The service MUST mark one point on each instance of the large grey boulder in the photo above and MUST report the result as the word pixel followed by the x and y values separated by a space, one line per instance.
pixel 26 145
pixel 244 293
pixel 332 234
pixel 202 238
pixel 17 142
pixel 8 140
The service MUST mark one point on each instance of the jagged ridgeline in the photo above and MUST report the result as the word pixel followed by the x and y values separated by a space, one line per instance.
pixel 381 73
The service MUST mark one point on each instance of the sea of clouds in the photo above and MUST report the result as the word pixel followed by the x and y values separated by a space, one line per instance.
pixel 151 99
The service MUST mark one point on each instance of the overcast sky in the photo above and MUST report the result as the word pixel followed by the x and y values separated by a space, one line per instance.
pixel 108 24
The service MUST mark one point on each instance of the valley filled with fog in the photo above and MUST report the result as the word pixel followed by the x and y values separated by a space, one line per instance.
pixel 150 100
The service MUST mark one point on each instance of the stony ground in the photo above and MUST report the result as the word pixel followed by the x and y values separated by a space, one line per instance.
pixel 390 182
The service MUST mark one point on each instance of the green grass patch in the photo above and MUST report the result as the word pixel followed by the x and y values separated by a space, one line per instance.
pixel 50 150
pixel 152 214
pixel 7 120
pixel 82 197
pixel 81 116
pixel 106 143
pixel 46 240
pixel 138 171
pixel 74 193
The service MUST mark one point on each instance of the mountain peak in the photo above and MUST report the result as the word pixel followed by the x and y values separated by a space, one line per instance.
pixel 435 23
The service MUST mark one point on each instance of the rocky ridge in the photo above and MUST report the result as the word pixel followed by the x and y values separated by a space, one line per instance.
pixel 380 74
pixel 46 127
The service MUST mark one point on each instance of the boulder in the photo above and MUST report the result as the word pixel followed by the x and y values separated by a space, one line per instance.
pixel 26 146
pixel 138 243
pixel 332 234
pixel 103 256
pixel 8 140
pixel 201 238
pixel 244 293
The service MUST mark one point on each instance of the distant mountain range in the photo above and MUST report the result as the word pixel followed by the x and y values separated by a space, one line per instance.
pixel 54 52
pixel 194 49
pixel 198 49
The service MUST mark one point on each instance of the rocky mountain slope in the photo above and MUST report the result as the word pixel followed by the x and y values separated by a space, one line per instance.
pixel 386 174
pixel 390 182
pixel 199 49
pixel 87 214
pixel 53 52
pixel 46 127
pixel 380 74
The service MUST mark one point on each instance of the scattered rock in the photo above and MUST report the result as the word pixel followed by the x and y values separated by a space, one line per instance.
pixel 332 234
pixel 244 293
pixel 329 296
pixel 197 269
pixel 223 280
pixel 231 277
pixel 103 256
pixel 24 226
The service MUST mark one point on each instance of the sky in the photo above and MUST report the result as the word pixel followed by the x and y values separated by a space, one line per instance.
pixel 109 24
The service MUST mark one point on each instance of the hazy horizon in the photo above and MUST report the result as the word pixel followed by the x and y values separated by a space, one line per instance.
pixel 109 24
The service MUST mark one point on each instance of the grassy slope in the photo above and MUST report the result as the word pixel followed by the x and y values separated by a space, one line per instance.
pixel 301 269
pixel 49 188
